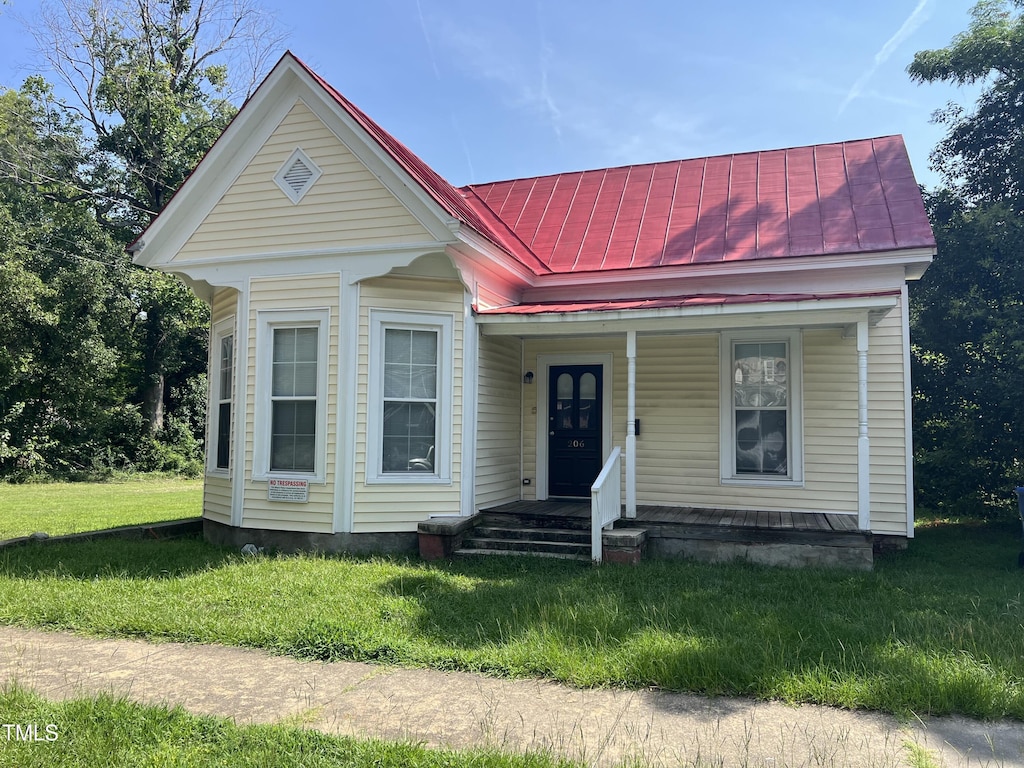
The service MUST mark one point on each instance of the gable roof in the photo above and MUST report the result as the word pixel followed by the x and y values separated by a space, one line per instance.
pixel 844 198
pixel 850 197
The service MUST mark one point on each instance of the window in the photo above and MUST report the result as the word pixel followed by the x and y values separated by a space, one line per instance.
pixel 408 420
pixel 293 400
pixel 291 394
pixel 221 395
pixel 760 413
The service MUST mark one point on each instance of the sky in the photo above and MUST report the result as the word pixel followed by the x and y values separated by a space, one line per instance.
pixel 491 90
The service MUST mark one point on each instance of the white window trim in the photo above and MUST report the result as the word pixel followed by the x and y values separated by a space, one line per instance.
pixel 220 329
pixel 727 455
pixel 266 322
pixel 380 320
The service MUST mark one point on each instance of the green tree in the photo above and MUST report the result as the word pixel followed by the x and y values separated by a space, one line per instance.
pixel 966 312
pixel 153 82
pixel 60 377
pixel 982 154
pixel 968 359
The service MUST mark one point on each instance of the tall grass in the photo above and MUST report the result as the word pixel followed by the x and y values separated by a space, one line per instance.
pixel 105 731
pixel 60 508
pixel 938 629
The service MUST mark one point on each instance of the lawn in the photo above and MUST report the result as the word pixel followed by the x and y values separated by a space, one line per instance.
pixel 59 508
pixel 938 629
pixel 104 731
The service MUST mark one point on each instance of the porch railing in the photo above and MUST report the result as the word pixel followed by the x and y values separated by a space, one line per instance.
pixel 605 500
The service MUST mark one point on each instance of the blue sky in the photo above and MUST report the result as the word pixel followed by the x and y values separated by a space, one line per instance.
pixel 485 91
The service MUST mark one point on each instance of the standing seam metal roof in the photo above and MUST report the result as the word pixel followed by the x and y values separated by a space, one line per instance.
pixel 849 197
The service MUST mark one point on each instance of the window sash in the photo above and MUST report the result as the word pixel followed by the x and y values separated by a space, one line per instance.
pixel 409 400
pixel 294 385
pixel 222 393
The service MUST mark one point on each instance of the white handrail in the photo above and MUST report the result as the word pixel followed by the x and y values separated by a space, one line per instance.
pixel 605 500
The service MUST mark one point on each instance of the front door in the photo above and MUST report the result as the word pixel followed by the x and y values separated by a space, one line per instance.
pixel 574 429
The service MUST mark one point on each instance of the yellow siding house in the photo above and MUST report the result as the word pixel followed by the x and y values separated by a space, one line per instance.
pixel 387 349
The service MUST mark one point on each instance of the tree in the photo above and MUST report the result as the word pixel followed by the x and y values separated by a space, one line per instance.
pixel 982 154
pixel 153 80
pixel 968 359
pixel 60 375
pixel 967 310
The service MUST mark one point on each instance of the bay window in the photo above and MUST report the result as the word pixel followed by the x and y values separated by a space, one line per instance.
pixel 291 394
pixel 409 392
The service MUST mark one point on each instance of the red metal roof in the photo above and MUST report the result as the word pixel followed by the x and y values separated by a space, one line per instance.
pixel 856 196
pixel 665 302
pixel 851 197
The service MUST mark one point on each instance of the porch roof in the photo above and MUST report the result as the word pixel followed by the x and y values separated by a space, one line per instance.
pixel 704 313
pixel 665 302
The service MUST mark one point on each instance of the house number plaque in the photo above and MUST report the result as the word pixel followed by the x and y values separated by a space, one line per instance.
pixel 288 490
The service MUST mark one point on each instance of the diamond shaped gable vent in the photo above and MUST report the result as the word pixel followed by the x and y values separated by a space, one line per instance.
pixel 297 175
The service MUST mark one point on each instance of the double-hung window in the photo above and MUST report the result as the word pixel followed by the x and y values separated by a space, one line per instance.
pixel 221 396
pixel 761 431
pixel 408 419
pixel 291 394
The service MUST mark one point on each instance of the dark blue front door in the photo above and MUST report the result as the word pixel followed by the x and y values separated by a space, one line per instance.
pixel 574 429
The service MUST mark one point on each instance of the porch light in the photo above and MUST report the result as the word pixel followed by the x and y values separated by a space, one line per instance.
pixel 528 378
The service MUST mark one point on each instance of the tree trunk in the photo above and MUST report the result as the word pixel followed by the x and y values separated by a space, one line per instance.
pixel 153 404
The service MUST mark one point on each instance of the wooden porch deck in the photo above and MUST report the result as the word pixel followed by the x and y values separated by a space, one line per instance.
pixel 824 522
pixel 713 535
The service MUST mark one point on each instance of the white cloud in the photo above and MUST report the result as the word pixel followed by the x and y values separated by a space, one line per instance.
pixel 917 17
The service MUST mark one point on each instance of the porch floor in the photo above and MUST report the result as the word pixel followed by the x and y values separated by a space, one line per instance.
pixel 688 516
pixel 713 535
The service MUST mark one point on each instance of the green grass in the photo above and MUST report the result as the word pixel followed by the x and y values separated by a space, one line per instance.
pixel 105 731
pixel 935 630
pixel 59 508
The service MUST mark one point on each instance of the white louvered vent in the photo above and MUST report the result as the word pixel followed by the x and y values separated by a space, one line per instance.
pixel 297 175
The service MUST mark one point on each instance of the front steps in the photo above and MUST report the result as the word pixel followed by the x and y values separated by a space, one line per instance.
pixel 506 537
pixel 562 529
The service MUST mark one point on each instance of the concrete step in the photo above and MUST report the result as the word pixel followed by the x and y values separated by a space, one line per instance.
pixel 490 552
pixel 526 546
pixel 532 534
pixel 503 520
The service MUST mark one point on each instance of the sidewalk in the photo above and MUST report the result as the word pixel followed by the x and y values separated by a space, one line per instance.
pixel 458 710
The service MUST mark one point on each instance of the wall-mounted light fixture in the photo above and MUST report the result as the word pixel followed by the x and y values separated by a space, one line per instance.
pixel 528 377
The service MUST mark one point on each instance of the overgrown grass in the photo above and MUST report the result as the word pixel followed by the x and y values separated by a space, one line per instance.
pixel 105 731
pixel 938 629
pixel 59 508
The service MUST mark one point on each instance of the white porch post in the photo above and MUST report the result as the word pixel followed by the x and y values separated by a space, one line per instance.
pixel 631 424
pixel 863 444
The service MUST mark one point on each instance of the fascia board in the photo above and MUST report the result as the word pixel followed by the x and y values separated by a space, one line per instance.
pixel 475 246
pixel 906 258
pixel 438 222
pixel 218 170
pixel 816 312
pixel 259 117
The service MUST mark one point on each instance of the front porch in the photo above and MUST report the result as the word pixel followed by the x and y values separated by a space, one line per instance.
pixel 562 528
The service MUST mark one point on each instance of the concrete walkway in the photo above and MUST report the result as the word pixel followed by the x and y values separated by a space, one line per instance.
pixel 598 727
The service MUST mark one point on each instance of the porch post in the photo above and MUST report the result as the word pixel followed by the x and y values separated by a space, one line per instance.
pixel 631 424
pixel 863 444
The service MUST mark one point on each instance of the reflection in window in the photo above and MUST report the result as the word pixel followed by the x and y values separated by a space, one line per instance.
pixel 224 390
pixel 293 400
pixel 588 398
pixel 761 407
pixel 410 400
pixel 564 390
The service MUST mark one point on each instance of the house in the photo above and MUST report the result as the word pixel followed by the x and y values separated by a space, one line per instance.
pixel 387 348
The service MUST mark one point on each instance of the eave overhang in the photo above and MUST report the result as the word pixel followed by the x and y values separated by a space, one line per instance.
pixel 689 314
